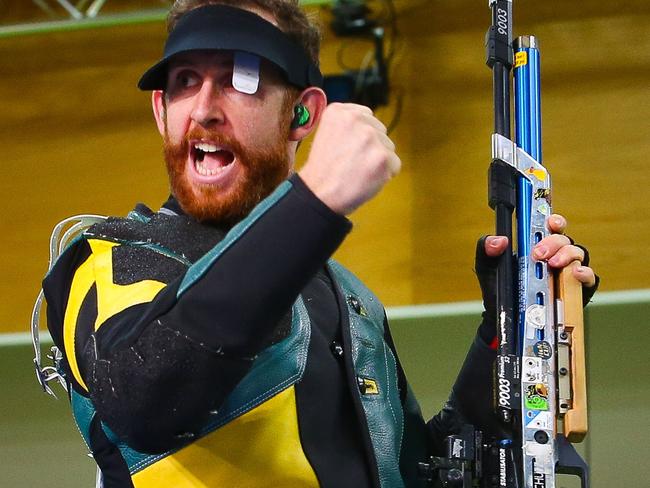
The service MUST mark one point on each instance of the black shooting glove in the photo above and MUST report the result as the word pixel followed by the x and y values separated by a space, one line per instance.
pixel 485 268
pixel 486 271
pixel 587 291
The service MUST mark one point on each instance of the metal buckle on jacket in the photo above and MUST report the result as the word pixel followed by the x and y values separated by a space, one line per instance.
pixel 64 232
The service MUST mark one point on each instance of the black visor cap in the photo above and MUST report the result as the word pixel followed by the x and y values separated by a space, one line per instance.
pixel 231 28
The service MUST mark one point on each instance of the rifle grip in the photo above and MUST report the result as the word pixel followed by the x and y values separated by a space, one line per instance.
pixel 570 292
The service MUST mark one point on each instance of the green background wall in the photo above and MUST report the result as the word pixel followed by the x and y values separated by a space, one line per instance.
pixel 40 445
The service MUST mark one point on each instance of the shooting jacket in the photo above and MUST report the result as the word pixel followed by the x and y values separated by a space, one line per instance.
pixel 199 357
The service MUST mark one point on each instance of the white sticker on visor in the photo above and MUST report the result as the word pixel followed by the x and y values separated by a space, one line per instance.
pixel 246 72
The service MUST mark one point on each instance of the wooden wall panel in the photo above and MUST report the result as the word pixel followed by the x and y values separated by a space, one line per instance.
pixel 76 136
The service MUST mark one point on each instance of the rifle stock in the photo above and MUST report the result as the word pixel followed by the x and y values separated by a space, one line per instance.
pixel 570 295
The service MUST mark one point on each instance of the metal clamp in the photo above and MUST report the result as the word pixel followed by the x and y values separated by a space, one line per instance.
pixel 59 240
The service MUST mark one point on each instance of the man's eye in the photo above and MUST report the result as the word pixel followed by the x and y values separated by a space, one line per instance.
pixel 187 79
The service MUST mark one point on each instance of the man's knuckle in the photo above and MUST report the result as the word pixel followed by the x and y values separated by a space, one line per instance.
pixel 367 136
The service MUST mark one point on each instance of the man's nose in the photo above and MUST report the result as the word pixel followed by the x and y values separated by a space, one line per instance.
pixel 208 109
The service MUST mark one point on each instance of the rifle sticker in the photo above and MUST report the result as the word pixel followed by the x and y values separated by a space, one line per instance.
pixel 537 397
pixel 521 58
pixel 536 315
pixel 543 420
pixel 543 193
pixel 539 480
pixel 543 349
pixel 503 468
pixel 533 371
pixel 505 370
pixel 538 173
pixel 544 209
pixel 543 454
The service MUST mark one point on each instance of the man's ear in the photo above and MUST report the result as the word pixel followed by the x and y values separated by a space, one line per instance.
pixel 158 107
pixel 315 101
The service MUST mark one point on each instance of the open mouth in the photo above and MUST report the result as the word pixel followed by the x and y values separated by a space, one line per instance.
pixel 210 159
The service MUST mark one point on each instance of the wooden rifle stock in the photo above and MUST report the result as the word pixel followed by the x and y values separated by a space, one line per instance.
pixel 570 295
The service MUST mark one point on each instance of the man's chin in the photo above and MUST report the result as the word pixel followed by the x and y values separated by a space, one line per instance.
pixel 208 205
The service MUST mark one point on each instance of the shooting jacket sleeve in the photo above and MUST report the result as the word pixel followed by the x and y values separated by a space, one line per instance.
pixel 157 363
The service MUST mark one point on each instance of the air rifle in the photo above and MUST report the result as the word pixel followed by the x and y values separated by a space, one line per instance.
pixel 540 381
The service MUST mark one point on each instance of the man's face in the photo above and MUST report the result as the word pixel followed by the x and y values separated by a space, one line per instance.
pixel 225 150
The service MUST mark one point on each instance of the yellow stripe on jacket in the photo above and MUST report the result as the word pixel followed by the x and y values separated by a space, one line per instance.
pixel 111 298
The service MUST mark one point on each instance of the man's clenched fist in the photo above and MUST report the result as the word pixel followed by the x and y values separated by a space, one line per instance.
pixel 351 157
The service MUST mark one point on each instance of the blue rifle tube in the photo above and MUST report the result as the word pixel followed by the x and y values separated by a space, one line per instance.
pixel 528 136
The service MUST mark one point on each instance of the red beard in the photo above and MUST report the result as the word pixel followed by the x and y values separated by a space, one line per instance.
pixel 261 171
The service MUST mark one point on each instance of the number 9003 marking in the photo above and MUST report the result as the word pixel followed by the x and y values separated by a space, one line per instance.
pixel 502 21
pixel 504 392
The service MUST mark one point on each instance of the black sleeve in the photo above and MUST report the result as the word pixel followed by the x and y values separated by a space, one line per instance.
pixel 157 369
pixel 253 276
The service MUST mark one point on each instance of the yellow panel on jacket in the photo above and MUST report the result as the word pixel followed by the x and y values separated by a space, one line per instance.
pixel 111 298
pixel 259 449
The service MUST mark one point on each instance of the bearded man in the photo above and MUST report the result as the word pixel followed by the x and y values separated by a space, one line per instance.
pixel 214 342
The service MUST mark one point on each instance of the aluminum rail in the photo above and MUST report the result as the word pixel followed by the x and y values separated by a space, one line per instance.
pixel 92 20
